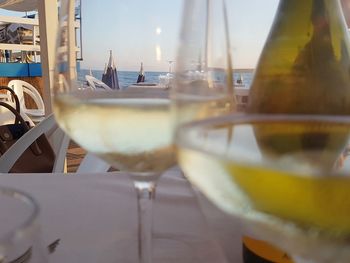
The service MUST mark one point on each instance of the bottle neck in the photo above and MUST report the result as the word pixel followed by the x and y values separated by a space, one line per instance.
pixel 307 17
pixel 306 32
pixel 306 53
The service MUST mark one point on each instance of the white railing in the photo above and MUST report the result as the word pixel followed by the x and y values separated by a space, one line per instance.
pixel 35 47
pixel 26 21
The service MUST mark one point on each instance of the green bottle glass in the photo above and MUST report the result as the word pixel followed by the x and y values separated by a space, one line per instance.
pixel 304 68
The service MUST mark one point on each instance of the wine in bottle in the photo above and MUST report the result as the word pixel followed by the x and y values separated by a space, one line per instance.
pixel 304 68
pixel 257 251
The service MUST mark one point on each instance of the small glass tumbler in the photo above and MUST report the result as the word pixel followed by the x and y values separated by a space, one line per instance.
pixel 20 238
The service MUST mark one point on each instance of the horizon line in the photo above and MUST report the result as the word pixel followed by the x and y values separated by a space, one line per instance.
pixel 234 69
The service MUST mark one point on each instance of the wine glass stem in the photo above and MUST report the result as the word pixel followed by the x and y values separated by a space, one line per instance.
pixel 145 196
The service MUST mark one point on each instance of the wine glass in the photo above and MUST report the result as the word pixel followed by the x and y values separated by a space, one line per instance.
pixel 285 176
pixel 204 78
pixel 128 124
pixel 20 239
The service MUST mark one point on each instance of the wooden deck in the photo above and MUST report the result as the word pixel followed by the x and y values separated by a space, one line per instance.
pixel 74 156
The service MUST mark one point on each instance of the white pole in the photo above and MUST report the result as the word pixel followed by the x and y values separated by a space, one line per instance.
pixel 48 22
pixel 72 51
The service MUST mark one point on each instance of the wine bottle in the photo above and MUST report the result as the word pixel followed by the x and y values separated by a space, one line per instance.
pixel 257 251
pixel 304 68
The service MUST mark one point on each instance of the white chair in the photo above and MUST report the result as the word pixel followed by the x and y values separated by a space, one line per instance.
pixel 58 139
pixel 7 117
pixel 21 87
pixel 96 84
pixel 5 97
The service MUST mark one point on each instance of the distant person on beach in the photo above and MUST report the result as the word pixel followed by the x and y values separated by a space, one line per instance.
pixel 7 56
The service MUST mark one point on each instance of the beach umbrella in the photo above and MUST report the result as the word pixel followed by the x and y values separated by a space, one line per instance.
pixel 110 76
pixel 141 77
pixel 240 79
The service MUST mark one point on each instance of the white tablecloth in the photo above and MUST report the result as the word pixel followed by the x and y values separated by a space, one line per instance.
pixel 94 215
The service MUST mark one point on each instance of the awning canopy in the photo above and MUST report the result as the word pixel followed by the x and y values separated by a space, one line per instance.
pixel 19 5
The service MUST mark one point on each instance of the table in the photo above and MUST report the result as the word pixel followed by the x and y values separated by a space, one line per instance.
pixel 94 215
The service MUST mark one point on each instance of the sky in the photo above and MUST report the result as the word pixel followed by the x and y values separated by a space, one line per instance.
pixel 148 30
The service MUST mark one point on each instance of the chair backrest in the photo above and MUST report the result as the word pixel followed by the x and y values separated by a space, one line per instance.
pixel 58 139
pixel 11 99
pixel 5 97
pixel 96 84
pixel 7 117
pixel 21 87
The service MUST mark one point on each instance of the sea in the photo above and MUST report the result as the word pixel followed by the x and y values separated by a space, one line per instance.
pixel 126 78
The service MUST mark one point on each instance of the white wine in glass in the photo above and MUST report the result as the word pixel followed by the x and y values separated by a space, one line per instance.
pixel 296 197
pixel 119 120
pixel 105 107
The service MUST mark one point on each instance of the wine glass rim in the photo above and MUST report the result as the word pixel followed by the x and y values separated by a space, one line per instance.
pixel 197 126
pixel 27 222
pixel 242 118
